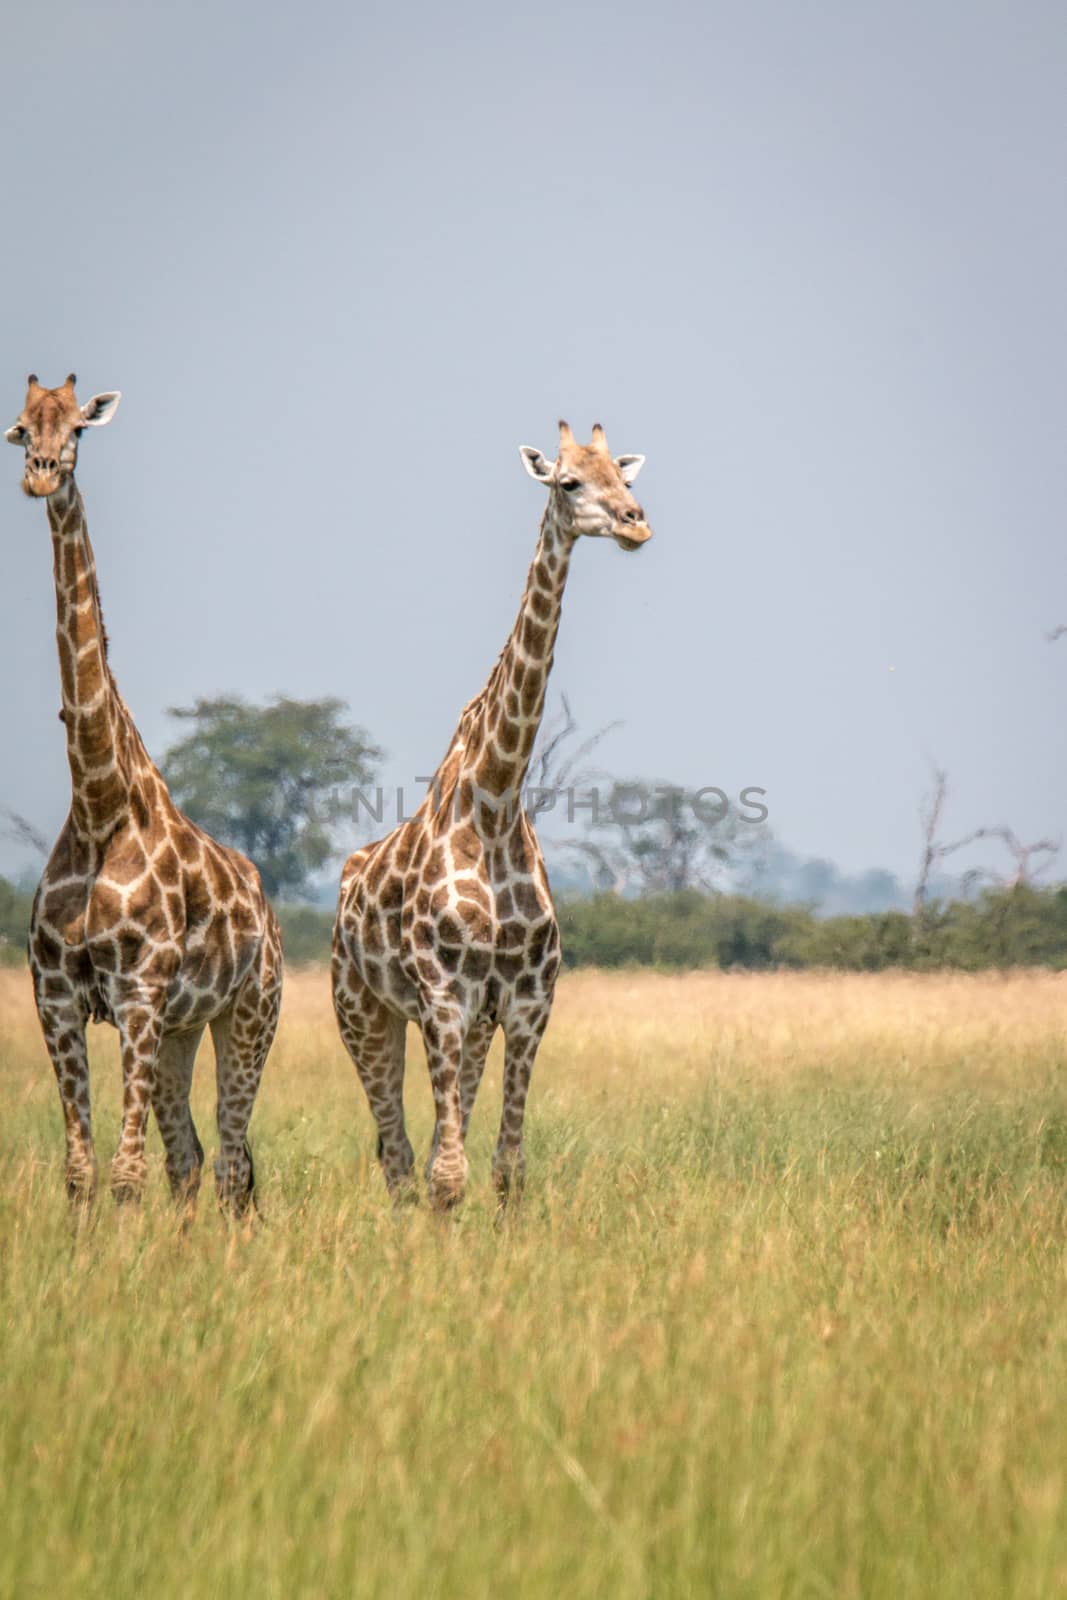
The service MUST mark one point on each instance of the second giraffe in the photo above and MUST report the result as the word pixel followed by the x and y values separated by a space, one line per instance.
pixel 449 922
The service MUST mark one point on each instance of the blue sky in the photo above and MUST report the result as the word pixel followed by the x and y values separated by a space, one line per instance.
pixel 344 260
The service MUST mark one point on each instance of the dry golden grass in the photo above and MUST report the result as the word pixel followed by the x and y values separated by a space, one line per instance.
pixel 783 1312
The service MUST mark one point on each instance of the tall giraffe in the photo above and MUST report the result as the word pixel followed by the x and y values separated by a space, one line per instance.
pixel 140 919
pixel 449 922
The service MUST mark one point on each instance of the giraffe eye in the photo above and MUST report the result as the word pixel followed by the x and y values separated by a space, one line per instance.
pixel 570 484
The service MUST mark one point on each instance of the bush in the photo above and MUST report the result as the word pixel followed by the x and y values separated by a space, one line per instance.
pixel 15 910
pixel 307 932
pixel 866 943
pixel 684 929
pixel 1003 928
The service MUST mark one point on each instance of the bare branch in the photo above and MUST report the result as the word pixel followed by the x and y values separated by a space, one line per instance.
pixel 1030 860
pixel 23 832
pixel 936 850
pixel 1028 866
pixel 554 736
pixel 930 817
pixel 953 845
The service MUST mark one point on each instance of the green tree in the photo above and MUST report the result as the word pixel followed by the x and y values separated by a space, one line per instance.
pixel 269 780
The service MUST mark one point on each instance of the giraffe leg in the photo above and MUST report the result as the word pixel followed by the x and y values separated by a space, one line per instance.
pixel 170 1102
pixel 242 1037
pixel 472 1065
pixel 140 1025
pixel 442 1033
pixel 63 1026
pixel 374 1038
pixel 523 1032
pixel 475 1049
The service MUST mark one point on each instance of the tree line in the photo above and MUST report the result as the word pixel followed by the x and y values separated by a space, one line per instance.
pixel 665 878
pixel 686 929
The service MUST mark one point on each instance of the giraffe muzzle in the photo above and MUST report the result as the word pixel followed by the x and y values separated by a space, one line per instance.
pixel 637 534
pixel 41 478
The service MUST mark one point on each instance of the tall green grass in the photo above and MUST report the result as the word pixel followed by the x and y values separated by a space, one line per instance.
pixel 783 1312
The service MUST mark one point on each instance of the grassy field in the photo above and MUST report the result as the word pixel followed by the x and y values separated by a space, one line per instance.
pixel 784 1312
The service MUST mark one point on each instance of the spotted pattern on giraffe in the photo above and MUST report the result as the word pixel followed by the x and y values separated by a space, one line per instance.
pixel 449 922
pixel 141 919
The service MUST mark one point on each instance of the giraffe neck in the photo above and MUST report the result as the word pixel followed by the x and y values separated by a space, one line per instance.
pixel 499 729
pixel 97 723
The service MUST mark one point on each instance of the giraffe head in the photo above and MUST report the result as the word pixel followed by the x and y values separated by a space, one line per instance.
pixel 590 488
pixel 48 429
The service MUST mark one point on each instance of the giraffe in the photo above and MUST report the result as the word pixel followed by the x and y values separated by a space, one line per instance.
pixel 140 920
pixel 448 922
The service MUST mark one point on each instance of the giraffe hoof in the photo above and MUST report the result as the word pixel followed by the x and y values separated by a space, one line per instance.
pixel 185 1186
pixel 509 1182
pixel 184 1192
pixel 127 1183
pixel 447 1181
pixel 446 1194
pixel 81 1189
pixel 242 1207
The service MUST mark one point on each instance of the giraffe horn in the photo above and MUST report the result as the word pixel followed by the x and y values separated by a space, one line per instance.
pixel 565 434
pixel 71 380
pixel 599 439
pixel 31 381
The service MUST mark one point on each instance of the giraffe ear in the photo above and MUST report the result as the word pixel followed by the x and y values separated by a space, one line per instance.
pixel 101 408
pixel 629 466
pixel 536 464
